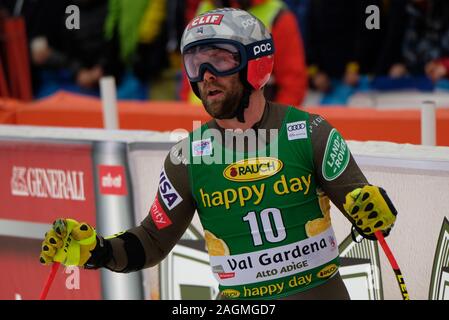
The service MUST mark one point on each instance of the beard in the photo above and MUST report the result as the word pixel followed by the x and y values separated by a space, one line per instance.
pixel 225 106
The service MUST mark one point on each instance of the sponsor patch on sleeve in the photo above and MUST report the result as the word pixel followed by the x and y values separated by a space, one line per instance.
pixel 336 156
pixel 202 147
pixel 296 130
pixel 168 193
pixel 159 216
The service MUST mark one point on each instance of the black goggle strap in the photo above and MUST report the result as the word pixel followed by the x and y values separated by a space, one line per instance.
pixel 259 49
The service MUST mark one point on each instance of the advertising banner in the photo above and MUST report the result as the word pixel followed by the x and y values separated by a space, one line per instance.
pixel 42 181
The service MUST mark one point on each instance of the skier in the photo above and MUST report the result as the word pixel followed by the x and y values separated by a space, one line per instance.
pixel 264 203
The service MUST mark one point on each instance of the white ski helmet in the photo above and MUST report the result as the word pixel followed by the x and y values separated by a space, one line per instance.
pixel 243 43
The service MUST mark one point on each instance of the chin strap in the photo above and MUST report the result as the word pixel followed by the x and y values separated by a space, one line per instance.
pixel 244 103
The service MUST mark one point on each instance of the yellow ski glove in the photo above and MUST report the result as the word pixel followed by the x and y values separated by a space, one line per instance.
pixel 371 210
pixel 68 242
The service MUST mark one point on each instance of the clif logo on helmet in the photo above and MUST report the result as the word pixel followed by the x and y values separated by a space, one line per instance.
pixel 205 19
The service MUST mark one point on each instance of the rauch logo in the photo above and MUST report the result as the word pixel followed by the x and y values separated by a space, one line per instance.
pixel 327 271
pixel 112 180
pixel 253 169
pixel 230 293
pixel 47 183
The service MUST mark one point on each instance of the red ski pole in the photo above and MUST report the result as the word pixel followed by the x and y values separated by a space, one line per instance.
pixel 51 277
pixel 394 265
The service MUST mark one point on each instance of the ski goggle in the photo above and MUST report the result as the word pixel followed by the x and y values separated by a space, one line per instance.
pixel 221 59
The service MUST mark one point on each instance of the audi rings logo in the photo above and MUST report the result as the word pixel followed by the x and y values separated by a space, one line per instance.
pixel 296 126
pixel 297 130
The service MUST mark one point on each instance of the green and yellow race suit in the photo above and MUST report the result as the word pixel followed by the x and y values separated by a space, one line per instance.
pixel 257 209
pixel 264 205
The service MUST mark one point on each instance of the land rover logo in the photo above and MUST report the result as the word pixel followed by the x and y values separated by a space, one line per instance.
pixel 336 156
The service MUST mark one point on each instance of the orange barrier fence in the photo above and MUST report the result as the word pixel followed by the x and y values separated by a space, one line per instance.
pixel 8 110
pixel 401 126
pixel 69 110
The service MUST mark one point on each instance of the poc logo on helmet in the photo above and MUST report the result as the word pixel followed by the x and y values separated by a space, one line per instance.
pixel 264 47
pixel 249 22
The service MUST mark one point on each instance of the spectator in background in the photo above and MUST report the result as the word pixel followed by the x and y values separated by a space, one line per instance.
pixel 190 10
pixel 339 46
pixel 288 84
pixel 118 38
pixel 438 69
pixel 137 27
pixel 392 25
pixel 425 46
pixel 165 55
pixel 71 59
pixel 300 9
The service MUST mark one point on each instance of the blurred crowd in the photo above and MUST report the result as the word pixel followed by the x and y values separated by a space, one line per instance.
pixel 333 48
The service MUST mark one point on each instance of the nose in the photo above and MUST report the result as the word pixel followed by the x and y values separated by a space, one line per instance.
pixel 209 76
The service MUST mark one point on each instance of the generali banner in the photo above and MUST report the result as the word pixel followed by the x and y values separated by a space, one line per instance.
pixel 44 181
pixel 40 182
